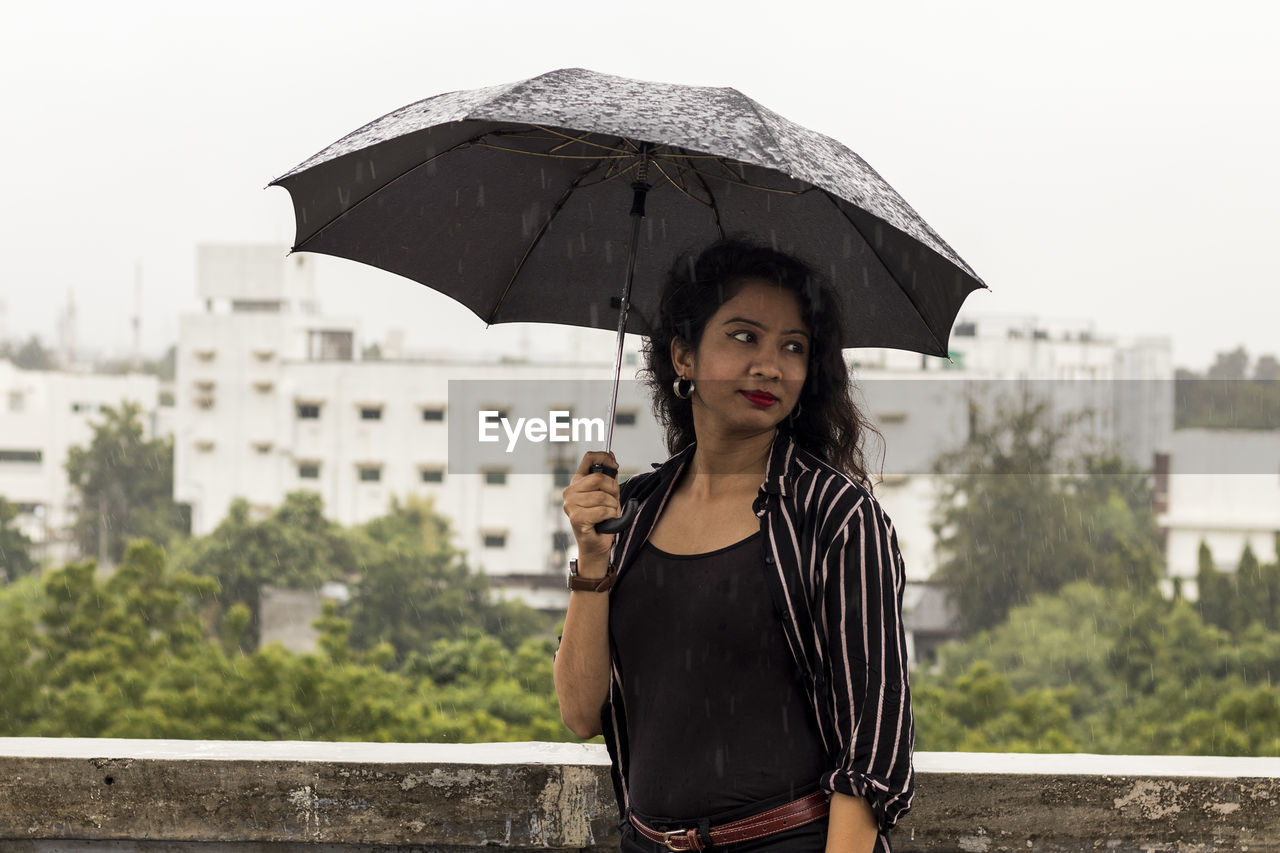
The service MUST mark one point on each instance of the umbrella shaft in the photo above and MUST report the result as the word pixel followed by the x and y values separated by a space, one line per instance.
pixel 637 215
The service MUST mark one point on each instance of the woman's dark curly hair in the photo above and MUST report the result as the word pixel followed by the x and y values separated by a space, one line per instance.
pixel 829 425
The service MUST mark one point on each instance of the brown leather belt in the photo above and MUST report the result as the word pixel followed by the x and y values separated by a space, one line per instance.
pixel 787 816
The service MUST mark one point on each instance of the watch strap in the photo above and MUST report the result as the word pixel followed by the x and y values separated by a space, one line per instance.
pixel 578 583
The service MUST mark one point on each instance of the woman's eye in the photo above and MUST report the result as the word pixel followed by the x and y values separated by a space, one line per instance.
pixel 739 336
pixel 796 347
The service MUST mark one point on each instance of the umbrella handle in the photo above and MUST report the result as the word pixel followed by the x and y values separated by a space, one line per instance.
pixel 622 522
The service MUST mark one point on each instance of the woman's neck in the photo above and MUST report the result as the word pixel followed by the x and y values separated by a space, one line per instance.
pixel 724 466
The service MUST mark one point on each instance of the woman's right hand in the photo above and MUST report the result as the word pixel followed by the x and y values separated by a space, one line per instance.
pixel 590 499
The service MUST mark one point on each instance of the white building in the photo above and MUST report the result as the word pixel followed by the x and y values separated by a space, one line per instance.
pixel 1223 489
pixel 43 414
pixel 273 396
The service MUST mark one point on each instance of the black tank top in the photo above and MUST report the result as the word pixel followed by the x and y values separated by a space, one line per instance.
pixel 717 717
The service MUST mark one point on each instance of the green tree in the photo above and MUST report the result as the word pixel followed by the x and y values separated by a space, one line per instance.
pixel 296 547
pixel 123 484
pixel 1010 526
pixel 15 547
pixel 1250 595
pixel 131 656
pixel 1136 674
pixel 1214 593
pixel 415 587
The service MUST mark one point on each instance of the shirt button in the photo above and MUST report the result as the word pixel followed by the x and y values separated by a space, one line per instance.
pixel 769 559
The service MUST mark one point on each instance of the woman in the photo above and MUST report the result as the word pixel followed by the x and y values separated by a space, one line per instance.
pixel 740 644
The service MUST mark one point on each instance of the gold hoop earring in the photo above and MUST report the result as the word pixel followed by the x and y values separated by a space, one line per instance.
pixel 675 386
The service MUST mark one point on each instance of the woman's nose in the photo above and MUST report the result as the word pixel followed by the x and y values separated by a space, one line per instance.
pixel 766 364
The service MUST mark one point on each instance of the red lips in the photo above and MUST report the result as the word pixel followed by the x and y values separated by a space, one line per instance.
pixel 760 398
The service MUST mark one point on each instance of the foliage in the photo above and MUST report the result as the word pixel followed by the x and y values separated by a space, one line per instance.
pixel 414 587
pixel 130 657
pixel 1249 596
pixel 296 547
pixel 1009 526
pixel 1229 395
pixel 123 484
pixel 15 547
pixel 31 355
pixel 1109 671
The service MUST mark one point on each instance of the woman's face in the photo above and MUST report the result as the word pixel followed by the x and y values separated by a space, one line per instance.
pixel 751 364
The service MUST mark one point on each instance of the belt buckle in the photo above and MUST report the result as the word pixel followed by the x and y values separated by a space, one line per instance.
pixel 667 837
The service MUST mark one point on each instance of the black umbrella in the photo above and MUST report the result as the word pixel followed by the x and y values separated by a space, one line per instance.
pixel 511 200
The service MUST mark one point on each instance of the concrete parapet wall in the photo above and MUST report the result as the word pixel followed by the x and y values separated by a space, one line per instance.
pixel 137 796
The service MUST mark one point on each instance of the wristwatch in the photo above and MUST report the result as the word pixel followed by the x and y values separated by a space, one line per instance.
pixel 578 583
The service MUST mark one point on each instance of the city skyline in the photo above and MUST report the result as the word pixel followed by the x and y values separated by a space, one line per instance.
pixel 1114 169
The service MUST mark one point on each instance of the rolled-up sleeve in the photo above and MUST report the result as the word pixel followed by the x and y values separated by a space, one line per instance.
pixel 866 663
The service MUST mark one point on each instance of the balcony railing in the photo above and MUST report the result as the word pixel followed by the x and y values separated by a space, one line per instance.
pixel 137 795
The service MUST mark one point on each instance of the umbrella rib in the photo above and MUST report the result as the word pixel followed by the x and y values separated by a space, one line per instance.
pixel 379 190
pixel 742 183
pixel 596 157
pixel 537 238
pixel 678 185
pixel 711 198
pixel 940 348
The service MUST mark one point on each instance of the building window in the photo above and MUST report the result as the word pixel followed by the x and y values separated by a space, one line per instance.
pixel 371 473
pixel 263 386
pixel 262 446
pixel 308 470
pixel 433 475
pixel 22 457
pixel 205 354
pixel 625 419
pixel 204 446
pixel 560 540
pixel 433 414
pixel 495 540
pixel 370 413
pixel 328 345
pixel 204 402
pixel 16 401
pixel 308 411
pixel 563 476
pixel 495 477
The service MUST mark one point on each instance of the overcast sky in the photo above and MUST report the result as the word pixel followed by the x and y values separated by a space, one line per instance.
pixel 1109 163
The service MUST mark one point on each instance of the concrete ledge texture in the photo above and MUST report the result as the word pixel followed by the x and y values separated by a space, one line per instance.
pixel 138 796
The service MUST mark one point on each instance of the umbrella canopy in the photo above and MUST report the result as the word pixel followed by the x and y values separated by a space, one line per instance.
pixel 513 200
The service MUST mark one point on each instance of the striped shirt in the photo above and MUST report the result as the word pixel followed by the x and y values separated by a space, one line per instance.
pixel 836 576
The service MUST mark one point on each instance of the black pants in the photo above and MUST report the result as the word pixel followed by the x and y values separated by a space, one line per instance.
pixel 809 838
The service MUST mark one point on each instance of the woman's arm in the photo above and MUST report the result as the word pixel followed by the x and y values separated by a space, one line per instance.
pixel 582 663
pixel 581 668
pixel 866 661
pixel 851 826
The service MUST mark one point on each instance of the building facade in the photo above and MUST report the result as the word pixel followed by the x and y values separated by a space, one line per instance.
pixel 43 414
pixel 273 396
pixel 1223 489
